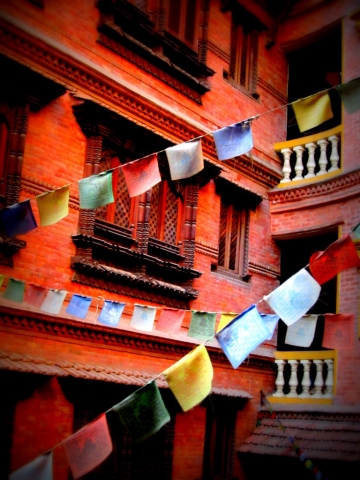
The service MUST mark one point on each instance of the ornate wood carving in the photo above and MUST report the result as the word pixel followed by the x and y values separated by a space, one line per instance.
pixel 191 202
pixel 8 248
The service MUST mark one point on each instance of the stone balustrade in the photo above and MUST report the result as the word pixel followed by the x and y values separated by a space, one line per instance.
pixel 311 157
pixel 304 377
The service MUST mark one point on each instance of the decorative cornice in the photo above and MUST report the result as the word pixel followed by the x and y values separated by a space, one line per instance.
pixel 263 270
pixel 207 250
pixel 37 187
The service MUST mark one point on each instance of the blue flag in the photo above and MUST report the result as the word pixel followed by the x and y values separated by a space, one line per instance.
pixel 79 306
pixel 233 141
pixel 111 313
pixel 39 469
pixel 17 219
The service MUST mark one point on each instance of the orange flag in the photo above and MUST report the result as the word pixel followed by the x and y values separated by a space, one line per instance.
pixel 53 206
pixel 141 175
pixel 338 331
pixel 190 378
pixel 312 111
pixel 339 256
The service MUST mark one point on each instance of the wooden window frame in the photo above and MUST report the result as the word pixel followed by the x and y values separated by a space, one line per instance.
pixel 183 22
pixel 243 57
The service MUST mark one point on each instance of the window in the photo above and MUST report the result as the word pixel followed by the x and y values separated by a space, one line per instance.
pixel 4 136
pixel 183 20
pixel 243 57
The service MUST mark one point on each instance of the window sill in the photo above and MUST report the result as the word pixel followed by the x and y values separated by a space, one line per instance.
pixel 223 272
pixel 253 95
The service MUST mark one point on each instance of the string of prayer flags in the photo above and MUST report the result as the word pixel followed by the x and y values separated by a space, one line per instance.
pixel 41 468
pixel 88 447
pixel 225 318
pixel 338 331
pixel 96 190
pixel 312 111
pixel 15 290
pixel 293 298
pixel 53 301
pixel 244 333
pixel 350 95
pixel 111 313
pixel 78 306
pixel 190 378
pixel 35 295
pixel 270 320
pixel 338 256
pixel 170 320
pixel 301 333
pixel 143 318
pixel 17 219
pixel 233 140
pixel 202 325
pixel 53 206
pixel 185 159
pixel 143 412
pixel 141 175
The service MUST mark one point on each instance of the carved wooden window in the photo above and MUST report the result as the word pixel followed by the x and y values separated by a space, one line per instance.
pixel 243 57
pixel 183 20
pixel 4 141
pixel 165 212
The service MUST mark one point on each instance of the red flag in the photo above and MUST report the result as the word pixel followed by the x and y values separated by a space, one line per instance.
pixel 35 295
pixel 338 331
pixel 339 256
pixel 170 320
pixel 141 175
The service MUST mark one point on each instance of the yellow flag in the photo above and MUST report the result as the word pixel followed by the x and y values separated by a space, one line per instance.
pixel 312 111
pixel 53 206
pixel 225 319
pixel 190 378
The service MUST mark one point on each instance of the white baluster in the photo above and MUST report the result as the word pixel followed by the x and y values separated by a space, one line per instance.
pixel 323 156
pixel 319 380
pixel 334 157
pixel 293 382
pixel 306 382
pixel 286 168
pixel 311 160
pixel 329 383
pixel 299 167
pixel 279 382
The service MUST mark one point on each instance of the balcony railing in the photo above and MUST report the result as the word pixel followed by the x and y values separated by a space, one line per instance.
pixel 310 158
pixel 304 377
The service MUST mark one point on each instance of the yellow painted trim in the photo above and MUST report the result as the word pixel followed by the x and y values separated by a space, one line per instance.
pixel 319 401
pixel 310 138
pixel 304 181
pixel 308 355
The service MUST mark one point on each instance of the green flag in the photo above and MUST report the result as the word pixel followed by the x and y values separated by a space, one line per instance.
pixel 96 191
pixel 15 290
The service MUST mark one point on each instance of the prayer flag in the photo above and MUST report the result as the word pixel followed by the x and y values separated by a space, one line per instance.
pixel 202 325
pixel 301 333
pixel 270 321
pixel 143 318
pixel 15 291
pixel 79 306
pixel 1 279
pixel 233 140
pixel 53 301
pixel 294 297
pixel 244 333
pixel 356 230
pixel 225 319
pixel 53 206
pixel 35 295
pixel 338 331
pixel 88 447
pixel 143 412
pixel 185 160
pixel 170 320
pixel 190 378
pixel 38 469
pixel 350 95
pixel 312 111
pixel 111 313
pixel 141 175
pixel 338 256
pixel 96 190
pixel 17 219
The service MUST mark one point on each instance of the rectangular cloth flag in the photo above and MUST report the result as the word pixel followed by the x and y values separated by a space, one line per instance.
pixel 190 378
pixel 350 95
pixel 39 469
pixel 233 140
pixel 312 111
pixel 17 219
pixel 170 320
pixel 79 306
pixel 338 331
pixel 53 301
pixel 53 206
pixel 141 175
pixel 356 230
pixel 15 291
pixel 35 295
pixel 2 277
pixel 88 447
pixel 244 333
pixel 96 190
pixel 338 256
pixel 202 325
pixel 143 412
pixel 270 321
pixel 294 297
pixel 225 318
pixel 143 318
pixel 185 160
pixel 111 313
pixel 301 333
